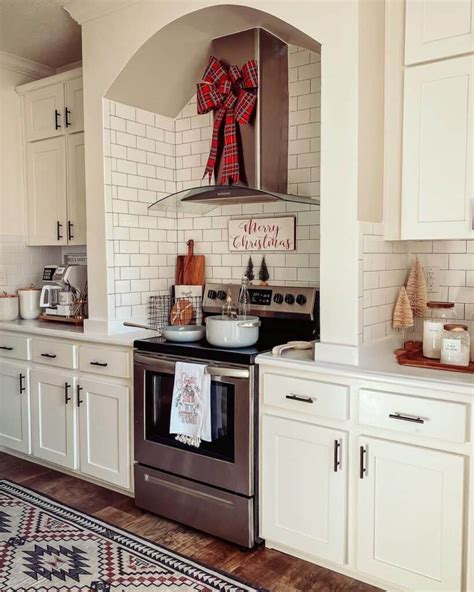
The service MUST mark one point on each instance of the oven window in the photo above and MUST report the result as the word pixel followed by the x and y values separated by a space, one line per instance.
pixel 158 396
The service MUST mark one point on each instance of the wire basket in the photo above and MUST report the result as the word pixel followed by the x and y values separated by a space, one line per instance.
pixel 168 310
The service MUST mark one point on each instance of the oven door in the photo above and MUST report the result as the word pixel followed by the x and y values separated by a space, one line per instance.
pixel 226 462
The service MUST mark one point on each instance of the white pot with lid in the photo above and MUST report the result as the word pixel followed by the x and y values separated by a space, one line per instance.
pixel 238 331
pixel 29 302
pixel 8 307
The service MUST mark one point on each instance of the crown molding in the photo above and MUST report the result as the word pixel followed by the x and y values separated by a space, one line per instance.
pixel 83 11
pixel 21 65
pixel 67 67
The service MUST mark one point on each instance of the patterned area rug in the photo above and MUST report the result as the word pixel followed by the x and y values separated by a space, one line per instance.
pixel 48 547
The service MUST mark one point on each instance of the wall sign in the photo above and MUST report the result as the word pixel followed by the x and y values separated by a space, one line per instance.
pixel 262 234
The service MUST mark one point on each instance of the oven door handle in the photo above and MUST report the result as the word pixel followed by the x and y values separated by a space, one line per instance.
pixel 169 366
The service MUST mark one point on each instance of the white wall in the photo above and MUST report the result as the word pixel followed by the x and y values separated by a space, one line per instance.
pixel 19 265
pixel 108 44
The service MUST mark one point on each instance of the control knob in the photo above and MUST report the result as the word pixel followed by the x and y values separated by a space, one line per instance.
pixel 301 299
pixel 221 295
pixel 278 298
pixel 289 299
pixel 212 294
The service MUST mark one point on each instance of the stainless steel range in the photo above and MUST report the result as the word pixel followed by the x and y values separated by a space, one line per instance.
pixel 214 487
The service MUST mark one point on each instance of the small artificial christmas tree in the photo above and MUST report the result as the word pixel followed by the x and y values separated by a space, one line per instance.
pixel 263 274
pixel 416 290
pixel 249 274
pixel 402 317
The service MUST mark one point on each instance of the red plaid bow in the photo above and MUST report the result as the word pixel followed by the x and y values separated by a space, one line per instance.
pixel 233 94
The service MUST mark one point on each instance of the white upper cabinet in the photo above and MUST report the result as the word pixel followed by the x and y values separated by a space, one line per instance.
pixel 437 187
pixel 74 107
pixel 438 29
pixel 304 487
pixel 44 112
pixel 46 185
pixel 410 515
pixel 76 190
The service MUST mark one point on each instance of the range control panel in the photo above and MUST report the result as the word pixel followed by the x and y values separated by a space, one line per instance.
pixel 281 301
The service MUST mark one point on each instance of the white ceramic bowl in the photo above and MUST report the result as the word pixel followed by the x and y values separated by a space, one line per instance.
pixel 8 307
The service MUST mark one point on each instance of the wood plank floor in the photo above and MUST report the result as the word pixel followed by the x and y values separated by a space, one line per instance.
pixel 263 567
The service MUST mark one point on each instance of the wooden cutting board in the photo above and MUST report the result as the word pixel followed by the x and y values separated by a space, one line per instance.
pixel 190 268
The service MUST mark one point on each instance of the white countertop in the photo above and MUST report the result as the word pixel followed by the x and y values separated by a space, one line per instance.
pixel 64 331
pixel 376 361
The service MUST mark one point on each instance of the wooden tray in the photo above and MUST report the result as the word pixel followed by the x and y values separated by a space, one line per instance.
pixel 78 321
pixel 412 355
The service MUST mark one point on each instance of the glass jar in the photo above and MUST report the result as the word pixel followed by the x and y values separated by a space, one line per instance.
pixel 455 345
pixel 433 328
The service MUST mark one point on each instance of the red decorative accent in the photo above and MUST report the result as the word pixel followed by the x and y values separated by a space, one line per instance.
pixel 232 94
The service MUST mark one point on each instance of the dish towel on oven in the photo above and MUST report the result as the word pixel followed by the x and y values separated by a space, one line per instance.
pixel 191 405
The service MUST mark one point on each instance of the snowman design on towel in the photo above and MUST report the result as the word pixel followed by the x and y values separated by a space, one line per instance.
pixel 190 411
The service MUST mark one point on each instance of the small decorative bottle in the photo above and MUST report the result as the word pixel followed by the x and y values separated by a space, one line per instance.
pixel 244 298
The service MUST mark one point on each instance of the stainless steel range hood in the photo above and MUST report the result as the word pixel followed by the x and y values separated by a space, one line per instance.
pixel 263 142
pixel 203 200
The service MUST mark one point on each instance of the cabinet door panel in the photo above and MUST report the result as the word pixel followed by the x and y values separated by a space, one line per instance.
pixel 437 151
pixel 46 164
pixel 410 516
pixel 41 107
pixel 76 190
pixel 104 431
pixel 303 497
pixel 15 407
pixel 75 105
pixel 438 29
pixel 53 420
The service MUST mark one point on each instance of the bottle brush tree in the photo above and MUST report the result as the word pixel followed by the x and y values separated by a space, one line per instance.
pixel 249 274
pixel 263 274
pixel 417 290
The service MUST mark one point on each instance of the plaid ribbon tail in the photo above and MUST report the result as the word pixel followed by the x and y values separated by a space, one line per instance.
pixel 211 161
pixel 230 170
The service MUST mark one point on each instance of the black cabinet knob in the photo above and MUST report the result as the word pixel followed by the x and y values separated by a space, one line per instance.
pixel 301 299
pixel 289 299
pixel 278 298
pixel 212 294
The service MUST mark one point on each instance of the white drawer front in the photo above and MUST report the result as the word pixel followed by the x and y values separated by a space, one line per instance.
pixel 311 397
pixel 105 361
pixel 413 415
pixel 15 346
pixel 55 353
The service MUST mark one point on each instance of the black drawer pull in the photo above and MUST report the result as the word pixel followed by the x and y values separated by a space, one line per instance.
pixel 101 364
pixel 57 125
pixel 67 397
pixel 79 400
pixel 337 461
pixel 362 467
pixel 59 228
pixel 300 398
pixel 70 226
pixel 406 418
pixel 4 347
pixel 67 112
pixel 51 356
pixel 22 384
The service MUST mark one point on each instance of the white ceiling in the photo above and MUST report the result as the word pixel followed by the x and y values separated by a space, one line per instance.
pixel 39 30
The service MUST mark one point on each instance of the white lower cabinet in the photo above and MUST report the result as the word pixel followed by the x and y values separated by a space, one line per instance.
pixel 15 407
pixel 54 417
pixel 304 487
pixel 104 431
pixel 410 515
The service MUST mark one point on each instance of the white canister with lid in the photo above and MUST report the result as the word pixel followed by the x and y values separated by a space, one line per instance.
pixel 8 307
pixel 29 302
pixel 433 328
pixel 455 346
